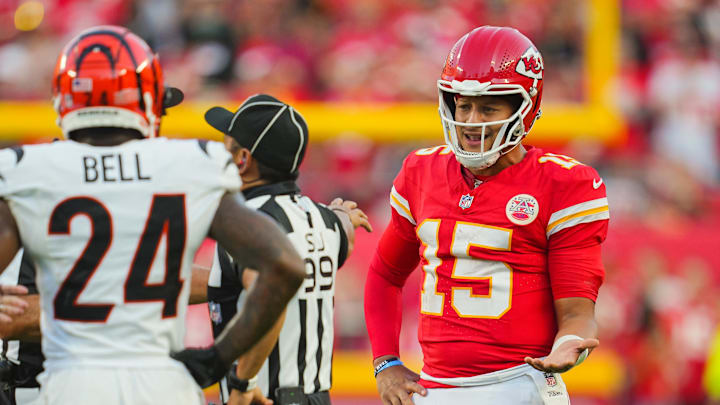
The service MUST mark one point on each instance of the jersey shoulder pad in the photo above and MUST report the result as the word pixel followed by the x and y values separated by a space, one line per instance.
pixel 213 164
pixel 431 154
pixel 215 151
pixel 427 159
pixel 11 157
pixel 578 194
pixel 565 169
pixel 10 160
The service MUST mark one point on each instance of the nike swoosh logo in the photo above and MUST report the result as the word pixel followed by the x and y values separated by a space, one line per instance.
pixel 597 183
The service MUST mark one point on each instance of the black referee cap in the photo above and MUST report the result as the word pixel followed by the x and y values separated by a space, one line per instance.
pixel 275 133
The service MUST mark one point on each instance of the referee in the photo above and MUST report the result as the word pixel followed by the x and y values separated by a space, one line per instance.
pixel 21 360
pixel 267 139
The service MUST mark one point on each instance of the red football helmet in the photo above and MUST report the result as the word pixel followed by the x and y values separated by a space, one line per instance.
pixel 491 61
pixel 109 77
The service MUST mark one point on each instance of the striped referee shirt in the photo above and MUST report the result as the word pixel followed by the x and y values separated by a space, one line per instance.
pixel 302 356
pixel 27 355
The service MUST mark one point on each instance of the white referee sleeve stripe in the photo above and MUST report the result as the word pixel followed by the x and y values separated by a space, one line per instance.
pixel 401 206
pixel 589 211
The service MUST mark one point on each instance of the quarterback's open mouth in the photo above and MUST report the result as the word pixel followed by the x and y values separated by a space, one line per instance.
pixel 474 140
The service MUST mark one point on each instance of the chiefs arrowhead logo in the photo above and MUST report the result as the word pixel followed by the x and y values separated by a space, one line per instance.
pixel 530 64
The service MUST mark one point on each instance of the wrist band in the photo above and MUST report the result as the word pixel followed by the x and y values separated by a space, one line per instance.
pixel 565 338
pixel 236 383
pixel 387 364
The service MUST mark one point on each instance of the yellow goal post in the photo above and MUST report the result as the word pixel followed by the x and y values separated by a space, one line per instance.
pixel 596 118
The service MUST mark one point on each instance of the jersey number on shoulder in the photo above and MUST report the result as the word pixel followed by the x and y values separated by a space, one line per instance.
pixel 167 217
pixel 444 150
pixel 498 275
pixel 566 162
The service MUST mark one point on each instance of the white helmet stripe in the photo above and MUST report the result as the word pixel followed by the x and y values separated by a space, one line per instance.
pixel 300 134
pixel 267 128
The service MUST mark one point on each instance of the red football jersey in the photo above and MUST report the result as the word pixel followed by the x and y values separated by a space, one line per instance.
pixel 488 291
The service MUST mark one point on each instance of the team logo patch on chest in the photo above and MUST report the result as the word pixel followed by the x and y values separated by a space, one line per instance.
pixel 465 201
pixel 522 209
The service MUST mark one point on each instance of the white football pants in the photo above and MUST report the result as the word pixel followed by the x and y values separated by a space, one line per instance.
pixel 531 388
pixel 121 386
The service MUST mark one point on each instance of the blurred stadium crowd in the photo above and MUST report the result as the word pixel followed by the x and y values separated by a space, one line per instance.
pixel 658 309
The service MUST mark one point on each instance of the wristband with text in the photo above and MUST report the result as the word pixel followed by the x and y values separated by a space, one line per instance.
pixel 393 361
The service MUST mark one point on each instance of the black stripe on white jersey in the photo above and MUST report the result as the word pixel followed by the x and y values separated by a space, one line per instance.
pixel 28 355
pixel 303 353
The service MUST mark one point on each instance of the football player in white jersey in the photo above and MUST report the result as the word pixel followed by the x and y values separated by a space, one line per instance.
pixel 112 218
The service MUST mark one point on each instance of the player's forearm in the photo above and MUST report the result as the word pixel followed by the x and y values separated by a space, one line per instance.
pixel 383 314
pixel 247 327
pixel 261 243
pixel 250 363
pixel 25 327
pixel 198 286
pixel 576 316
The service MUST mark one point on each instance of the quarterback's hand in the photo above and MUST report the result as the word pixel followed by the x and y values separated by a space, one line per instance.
pixel 564 357
pixel 396 385
pixel 254 396
pixel 10 302
pixel 357 216
pixel 204 365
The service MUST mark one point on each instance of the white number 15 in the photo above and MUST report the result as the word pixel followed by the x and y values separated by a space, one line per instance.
pixel 498 274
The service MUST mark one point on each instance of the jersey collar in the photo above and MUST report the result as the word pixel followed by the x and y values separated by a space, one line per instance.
pixel 464 179
pixel 283 187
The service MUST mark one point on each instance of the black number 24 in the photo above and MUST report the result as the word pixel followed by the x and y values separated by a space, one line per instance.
pixel 167 217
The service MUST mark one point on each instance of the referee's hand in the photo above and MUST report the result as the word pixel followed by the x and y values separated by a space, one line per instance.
pixel 357 216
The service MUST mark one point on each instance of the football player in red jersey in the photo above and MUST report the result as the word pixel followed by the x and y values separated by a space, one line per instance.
pixel 508 238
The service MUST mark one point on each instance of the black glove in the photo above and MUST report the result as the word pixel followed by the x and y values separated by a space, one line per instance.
pixel 7 375
pixel 204 365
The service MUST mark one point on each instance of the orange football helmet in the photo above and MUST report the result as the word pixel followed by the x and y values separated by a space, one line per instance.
pixel 109 77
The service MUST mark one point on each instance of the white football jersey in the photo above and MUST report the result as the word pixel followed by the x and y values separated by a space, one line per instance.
pixel 113 232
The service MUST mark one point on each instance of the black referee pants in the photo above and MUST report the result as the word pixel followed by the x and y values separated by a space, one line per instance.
pixel 7 396
pixel 319 398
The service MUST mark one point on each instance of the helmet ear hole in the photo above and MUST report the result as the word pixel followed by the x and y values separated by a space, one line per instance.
pixel 515 101
pixel 449 99
pixel 517 131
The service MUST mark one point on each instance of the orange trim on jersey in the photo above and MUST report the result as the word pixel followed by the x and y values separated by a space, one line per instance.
pixel 483 278
pixel 577 215
pixel 407 211
pixel 430 268
pixel 489 295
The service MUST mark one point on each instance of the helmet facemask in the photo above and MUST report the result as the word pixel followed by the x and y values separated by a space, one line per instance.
pixel 509 135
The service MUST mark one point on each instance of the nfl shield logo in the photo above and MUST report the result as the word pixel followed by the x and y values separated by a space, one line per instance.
pixel 466 201
pixel 550 379
pixel 215 314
